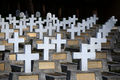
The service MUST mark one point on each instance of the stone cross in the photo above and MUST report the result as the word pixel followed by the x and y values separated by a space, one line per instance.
pixel 21 14
pixel 14 22
pixel 16 40
pixel 96 42
pixel 24 20
pixel 7 31
pixel 2 47
pixel 2 23
pixel 84 56
pixel 50 29
pixel 64 22
pixel 54 19
pixel 28 57
pixel 40 30
pixel 39 21
pixel 21 27
pixel 95 19
pixel 58 25
pixel 72 20
pixel 48 20
pixel 32 23
pixel 72 31
pixel 46 46
pixel 58 41
pixel 9 18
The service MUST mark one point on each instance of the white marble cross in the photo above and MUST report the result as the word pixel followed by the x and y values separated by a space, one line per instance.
pixel 21 27
pixel 50 29
pixel 72 30
pixel 16 40
pixel 48 19
pixel 58 41
pixel 72 20
pixel 28 57
pixel 58 25
pixel 9 18
pixel 2 47
pixel 0 18
pixel 38 14
pixel 2 23
pixel 32 23
pixel 54 19
pixel 39 21
pixel 96 42
pixel 95 19
pixel 46 46
pixel 14 22
pixel 64 22
pixel 84 55
pixel 40 30
pixel 24 20
pixel 7 31
pixel 21 14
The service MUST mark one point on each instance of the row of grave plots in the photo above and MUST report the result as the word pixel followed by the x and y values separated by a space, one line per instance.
pixel 61 65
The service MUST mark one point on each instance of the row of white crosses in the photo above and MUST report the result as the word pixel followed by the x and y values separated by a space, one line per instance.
pixel 88 50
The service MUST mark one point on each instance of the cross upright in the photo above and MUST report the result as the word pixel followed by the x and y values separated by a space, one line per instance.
pixel 54 19
pixel 7 31
pixel 96 42
pixel 24 20
pixel 2 23
pixel 46 47
pixel 58 41
pixel 40 30
pixel 9 18
pixel 14 22
pixel 72 30
pixel 16 40
pixel 73 20
pixel 28 57
pixel 50 29
pixel 84 55
pixel 64 22
pixel 21 27
pixel 32 23
pixel 95 19
pixel 58 25
pixel 39 21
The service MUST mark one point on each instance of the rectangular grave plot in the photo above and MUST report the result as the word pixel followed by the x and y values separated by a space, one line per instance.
pixel 95 64
pixel 85 76
pixel 2 66
pixel 58 56
pixel 46 65
pixel 30 77
pixel 100 55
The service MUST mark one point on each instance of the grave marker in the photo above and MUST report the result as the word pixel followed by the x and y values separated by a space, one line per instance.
pixel 16 40
pixel 58 41
pixel 46 46
pixel 28 57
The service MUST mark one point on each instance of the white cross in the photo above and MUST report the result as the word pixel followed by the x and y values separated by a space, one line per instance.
pixel 54 19
pixel 2 47
pixel 58 25
pixel 9 18
pixel 16 40
pixel 91 21
pixel 72 31
pixel 58 41
pixel 96 42
pixel 40 30
pixel 2 23
pixel 32 23
pixel 28 57
pixel 24 20
pixel 95 19
pixel 7 31
pixel 64 22
pixel 39 21
pixel 0 18
pixel 48 20
pixel 21 27
pixel 50 29
pixel 84 56
pixel 14 21
pixel 46 46
pixel 72 20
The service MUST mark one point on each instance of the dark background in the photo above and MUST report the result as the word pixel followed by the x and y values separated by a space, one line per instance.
pixel 64 8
